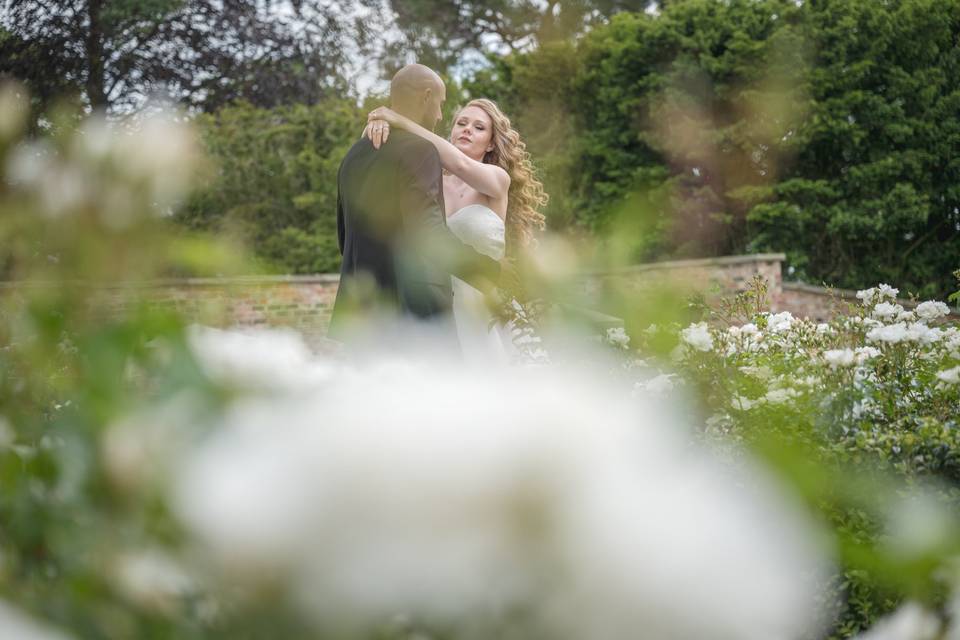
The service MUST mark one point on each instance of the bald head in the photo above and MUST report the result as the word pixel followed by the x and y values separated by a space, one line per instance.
pixel 418 92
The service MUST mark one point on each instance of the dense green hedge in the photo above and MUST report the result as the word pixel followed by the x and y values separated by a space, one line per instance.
pixel 275 180
pixel 830 131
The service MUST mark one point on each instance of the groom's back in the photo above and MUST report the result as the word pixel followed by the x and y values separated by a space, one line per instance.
pixel 371 182
pixel 378 192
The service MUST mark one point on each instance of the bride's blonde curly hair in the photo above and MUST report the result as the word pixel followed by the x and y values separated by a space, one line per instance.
pixel 526 195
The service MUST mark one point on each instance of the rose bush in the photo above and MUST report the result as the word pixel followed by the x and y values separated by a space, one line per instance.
pixel 860 412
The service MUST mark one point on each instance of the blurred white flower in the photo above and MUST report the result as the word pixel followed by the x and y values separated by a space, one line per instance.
pixel 95 140
pixel 920 332
pixel 891 334
pixel 64 189
pixel 780 322
pixel 886 310
pixel 866 353
pixel 839 357
pixel 152 579
pixel 698 336
pixel 138 449
pixel 749 329
pixel 918 525
pixel 931 310
pixel 618 337
pixel 403 488
pixel 950 376
pixel 661 384
pixel 29 163
pixel 824 329
pixel 910 622
pixel 780 396
pixel 162 151
pixel 867 296
pixel 15 624
pixel 886 291
pixel 761 372
pixel 262 359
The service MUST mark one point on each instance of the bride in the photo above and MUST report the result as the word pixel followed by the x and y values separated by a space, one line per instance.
pixel 492 199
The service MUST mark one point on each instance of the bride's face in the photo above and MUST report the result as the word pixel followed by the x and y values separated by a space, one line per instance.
pixel 472 132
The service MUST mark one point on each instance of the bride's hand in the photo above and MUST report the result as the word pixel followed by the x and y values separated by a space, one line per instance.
pixel 378 131
pixel 386 114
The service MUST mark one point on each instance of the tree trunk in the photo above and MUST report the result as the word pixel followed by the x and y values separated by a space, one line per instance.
pixel 96 92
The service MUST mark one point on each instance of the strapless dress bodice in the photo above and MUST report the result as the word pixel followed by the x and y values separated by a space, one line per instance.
pixel 481 228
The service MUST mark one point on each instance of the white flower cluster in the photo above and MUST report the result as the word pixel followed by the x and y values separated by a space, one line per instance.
pixel 873 295
pixel 618 337
pixel 785 359
pixel 698 336
pixel 119 173
pixel 450 495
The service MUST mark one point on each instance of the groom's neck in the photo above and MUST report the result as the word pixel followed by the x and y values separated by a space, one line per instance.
pixel 413 114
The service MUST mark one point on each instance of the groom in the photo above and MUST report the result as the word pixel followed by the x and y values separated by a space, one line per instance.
pixel 398 254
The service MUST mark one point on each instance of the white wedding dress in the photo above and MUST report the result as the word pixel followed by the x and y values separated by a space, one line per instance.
pixel 483 342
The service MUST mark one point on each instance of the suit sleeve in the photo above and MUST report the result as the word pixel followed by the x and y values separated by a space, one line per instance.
pixel 425 217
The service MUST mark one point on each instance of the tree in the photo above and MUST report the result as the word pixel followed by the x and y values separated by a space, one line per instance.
pixel 873 194
pixel 440 33
pixel 829 130
pixel 203 53
pixel 276 184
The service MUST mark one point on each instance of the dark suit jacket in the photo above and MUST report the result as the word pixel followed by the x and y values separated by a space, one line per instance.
pixel 398 253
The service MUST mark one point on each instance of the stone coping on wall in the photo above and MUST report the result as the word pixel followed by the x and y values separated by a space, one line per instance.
pixel 692 263
pixel 224 281
pixel 847 295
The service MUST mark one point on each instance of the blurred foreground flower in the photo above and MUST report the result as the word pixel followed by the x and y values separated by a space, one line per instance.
pixel 18 626
pixel 463 499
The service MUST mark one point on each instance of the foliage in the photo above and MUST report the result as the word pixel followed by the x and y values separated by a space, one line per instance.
pixel 117 52
pixel 442 33
pixel 827 130
pixel 159 481
pixel 276 181
pixel 870 399
pixel 873 192
pixel 81 224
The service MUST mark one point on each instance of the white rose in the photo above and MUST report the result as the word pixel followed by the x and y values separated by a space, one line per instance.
pixel 866 296
pixel 931 310
pixel 660 384
pixel 866 353
pixel 618 337
pixel 885 310
pixel 950 376
pixel 919 332
pixel 886 291
pixel 779 396
pixel 892 334
pixel 698 336
pixel 780 322
pixel 839 357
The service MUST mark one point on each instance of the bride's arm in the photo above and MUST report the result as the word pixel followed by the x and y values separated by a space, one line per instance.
pixel 488 179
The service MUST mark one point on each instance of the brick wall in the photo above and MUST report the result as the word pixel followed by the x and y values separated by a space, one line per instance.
pixel 301 302
pixel 305 302
pixel 726 274
pixel 821 304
